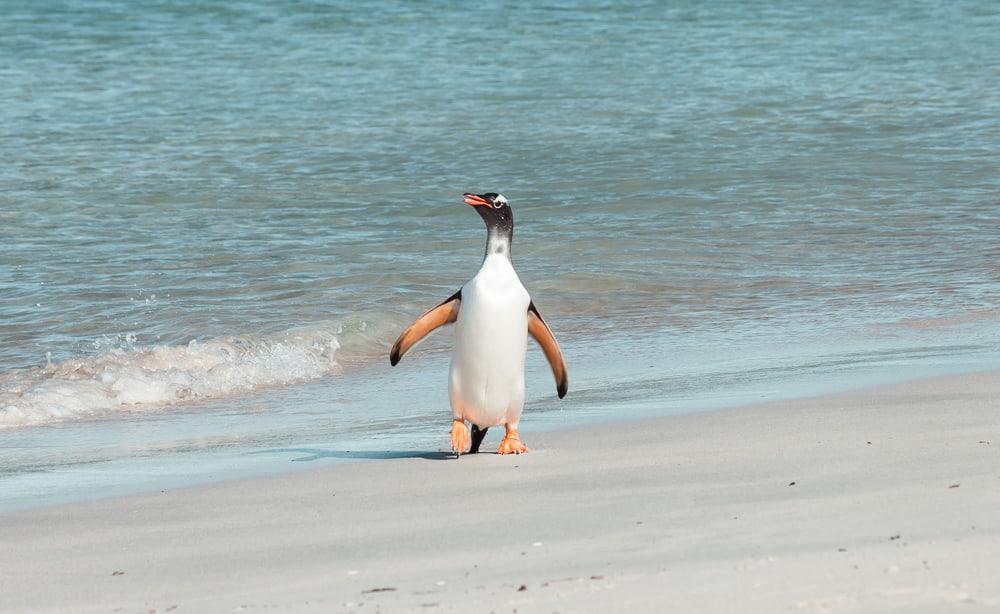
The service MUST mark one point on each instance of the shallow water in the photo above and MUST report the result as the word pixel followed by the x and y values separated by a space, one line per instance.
pixel 215 220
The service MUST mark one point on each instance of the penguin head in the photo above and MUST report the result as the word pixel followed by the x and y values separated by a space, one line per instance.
pixel 493 208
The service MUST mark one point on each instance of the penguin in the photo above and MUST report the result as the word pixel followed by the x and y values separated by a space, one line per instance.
pixel 493 315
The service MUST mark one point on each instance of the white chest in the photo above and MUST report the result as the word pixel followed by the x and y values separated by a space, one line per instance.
pixel 495 298
pixel 487 369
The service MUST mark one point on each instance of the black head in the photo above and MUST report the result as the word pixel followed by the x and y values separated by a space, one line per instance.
pixel 499 218
pixel 493 208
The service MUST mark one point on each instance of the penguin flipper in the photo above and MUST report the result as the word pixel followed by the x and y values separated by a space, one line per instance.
pixel 540 331
pixel 444 313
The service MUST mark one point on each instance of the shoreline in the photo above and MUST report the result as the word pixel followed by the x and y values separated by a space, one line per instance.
pixel 144 450
pixel 121 475
pixel 878 498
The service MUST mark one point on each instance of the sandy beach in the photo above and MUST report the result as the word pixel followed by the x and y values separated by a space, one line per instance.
pixel 217 218
pixel 879 500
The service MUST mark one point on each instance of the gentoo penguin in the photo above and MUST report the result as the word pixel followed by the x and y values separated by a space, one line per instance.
pixel 493 316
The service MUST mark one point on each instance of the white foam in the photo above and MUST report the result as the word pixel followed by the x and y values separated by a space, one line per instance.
pixel 147 378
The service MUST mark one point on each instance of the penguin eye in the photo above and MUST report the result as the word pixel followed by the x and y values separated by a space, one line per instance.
pixel 497 204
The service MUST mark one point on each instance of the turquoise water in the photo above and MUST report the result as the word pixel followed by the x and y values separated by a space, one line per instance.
pixel 214 219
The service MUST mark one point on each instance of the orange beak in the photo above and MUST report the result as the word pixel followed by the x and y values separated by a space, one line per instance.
pixel 476 201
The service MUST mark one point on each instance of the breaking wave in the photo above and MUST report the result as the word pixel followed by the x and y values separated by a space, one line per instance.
pixel 146 378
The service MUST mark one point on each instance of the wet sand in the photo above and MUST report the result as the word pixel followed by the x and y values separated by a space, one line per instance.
pixel 878 500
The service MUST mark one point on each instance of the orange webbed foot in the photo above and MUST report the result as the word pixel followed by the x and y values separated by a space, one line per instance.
pixel 511 443
pixel 460 439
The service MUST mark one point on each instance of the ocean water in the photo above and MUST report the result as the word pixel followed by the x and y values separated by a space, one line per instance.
pixel 216 217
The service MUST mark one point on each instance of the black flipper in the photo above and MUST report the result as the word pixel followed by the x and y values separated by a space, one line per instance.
pixel 445 313
pixel 477 438
pixel 541 332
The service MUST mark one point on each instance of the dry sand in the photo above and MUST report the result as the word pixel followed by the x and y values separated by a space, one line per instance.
pixel 878 501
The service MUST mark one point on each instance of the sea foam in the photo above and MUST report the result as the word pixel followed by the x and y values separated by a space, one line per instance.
pixel 147 378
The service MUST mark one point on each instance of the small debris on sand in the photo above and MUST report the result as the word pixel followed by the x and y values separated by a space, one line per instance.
pixel 893 537
pixel 117 573
pixel 956 485
pixel 791 483
pixel 384 589
pixel 522 588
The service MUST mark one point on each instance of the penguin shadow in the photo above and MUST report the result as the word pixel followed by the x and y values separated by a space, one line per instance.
pixel 315 454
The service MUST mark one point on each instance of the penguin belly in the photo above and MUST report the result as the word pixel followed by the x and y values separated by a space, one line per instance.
pixel 486 381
